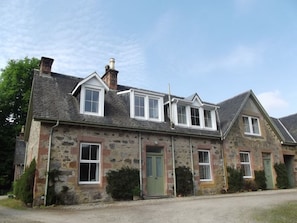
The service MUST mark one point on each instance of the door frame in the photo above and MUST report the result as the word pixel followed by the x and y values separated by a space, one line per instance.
pixel 155 151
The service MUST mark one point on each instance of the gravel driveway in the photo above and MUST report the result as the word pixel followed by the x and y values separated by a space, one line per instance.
pixel 212 209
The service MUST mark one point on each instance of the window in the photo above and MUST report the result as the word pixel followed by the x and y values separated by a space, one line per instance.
pixel 89 167
pixel 139 106
pixel 146 107
pixel 153 108
pixel 245 164
pixel 91 101
pixel 195 116
pixel 181 114
pixel 204 165
pixel 251 125
pixel 207 119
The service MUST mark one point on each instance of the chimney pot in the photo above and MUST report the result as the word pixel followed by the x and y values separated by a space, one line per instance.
pixel 111 63
pixel 46 65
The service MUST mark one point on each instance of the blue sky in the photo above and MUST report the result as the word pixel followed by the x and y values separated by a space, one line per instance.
pixel 217 48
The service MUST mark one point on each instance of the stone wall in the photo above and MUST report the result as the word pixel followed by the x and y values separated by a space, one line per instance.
pixel 120 149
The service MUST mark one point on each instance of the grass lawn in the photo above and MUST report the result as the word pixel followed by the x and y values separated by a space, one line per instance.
pixel 285 213
pixel 12 203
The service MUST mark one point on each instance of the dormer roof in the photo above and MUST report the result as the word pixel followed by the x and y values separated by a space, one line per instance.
pixel 93 79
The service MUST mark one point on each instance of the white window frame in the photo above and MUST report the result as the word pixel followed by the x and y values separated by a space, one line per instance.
pixel 97 162
pixel 250 125
pixel 189 117
pixel 199 116
pixel 147 110
pixel 207 119
pixel 205 164
pixel 246 163
pixel 182 115
pixel 100 109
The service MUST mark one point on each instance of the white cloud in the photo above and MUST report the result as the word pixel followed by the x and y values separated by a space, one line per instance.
pixel 79 37
pixel 272 101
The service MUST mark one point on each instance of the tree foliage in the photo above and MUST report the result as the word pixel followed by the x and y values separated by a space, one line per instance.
pixel 15 87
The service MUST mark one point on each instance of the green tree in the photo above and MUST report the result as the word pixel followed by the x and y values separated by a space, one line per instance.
pixel 15 87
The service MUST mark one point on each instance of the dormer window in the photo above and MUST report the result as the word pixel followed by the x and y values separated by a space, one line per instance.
pixel 145 105
pixel 91 91
pixel 251 125
pixel 192 112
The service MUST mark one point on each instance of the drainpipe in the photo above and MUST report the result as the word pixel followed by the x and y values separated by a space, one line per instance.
pixel 192 166
pixel 48 160
pixel 140 163
pixel 173 166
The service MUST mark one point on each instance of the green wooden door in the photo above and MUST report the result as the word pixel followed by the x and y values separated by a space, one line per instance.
pixel 268 171
pixel 155 174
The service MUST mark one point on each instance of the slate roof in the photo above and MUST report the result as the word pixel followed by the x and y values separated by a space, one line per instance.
pixel 229 111
pixel 51 100
pixel 284 131
pixel 290 123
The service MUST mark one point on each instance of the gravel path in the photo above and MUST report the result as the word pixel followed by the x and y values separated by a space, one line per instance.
pixel 203 209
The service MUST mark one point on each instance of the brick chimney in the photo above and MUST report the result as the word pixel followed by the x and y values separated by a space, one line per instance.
pixel 111 75
pixel 45 66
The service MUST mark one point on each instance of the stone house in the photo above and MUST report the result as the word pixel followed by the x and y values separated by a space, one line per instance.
pixel 85 127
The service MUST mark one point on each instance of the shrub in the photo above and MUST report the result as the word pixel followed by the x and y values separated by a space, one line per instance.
pixel 235 179
pixel 122 183
pixel 184 181
pixel 282 180
pixel 260 179
pixel 250 185
pixel 23 188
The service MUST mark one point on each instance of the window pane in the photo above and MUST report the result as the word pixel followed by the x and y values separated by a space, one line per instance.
pixel 203 157
pixel 244 157
pixel 195 116
pixel 84 172
pixel 88 95
pixel 94 152
pixel 95 95
pixel 94 107
pixel 246 169
pixel 94 168
pixel 204 172
pixel 149 167
pixel 207 118
pixel 181 114
pixel 91 101
pixel 159 164
pixel 139 106
pixel 255 126
pixel 153 108
pixel 246 124
pixel 85 150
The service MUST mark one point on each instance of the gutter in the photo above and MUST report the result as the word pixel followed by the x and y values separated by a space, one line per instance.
pixel 49 160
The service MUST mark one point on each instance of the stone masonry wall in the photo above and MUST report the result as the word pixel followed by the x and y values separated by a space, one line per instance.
pixel 237 142
pixel 119 149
